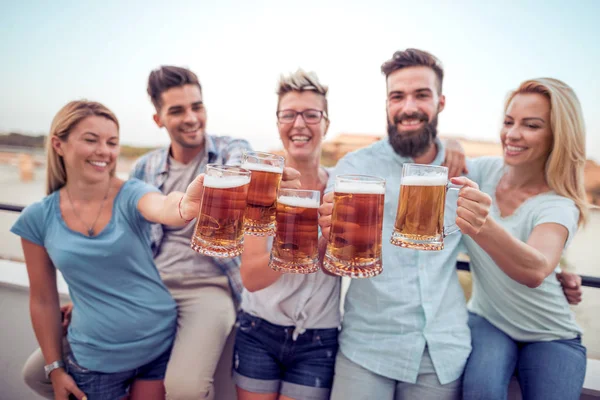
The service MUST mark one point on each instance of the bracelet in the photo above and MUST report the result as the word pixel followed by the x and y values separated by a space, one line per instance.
pixel 52 366
pixel 187 221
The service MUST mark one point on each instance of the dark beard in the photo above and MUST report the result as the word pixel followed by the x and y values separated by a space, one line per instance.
pixel 412 143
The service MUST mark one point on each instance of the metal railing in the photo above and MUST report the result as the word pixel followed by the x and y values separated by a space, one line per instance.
pixel 586 280
pixel 589 281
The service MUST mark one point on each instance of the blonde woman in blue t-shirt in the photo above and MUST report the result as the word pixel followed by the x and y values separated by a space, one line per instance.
pixel 93 227
pixel 519 317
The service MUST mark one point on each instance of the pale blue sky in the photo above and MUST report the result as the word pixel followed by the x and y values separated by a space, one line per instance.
pixel 54 52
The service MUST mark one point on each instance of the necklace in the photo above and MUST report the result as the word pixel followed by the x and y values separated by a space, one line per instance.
pixel 90 230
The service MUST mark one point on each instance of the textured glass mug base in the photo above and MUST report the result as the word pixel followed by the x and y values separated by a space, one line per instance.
pixel 352 270
pixel 278 264
pixel 210 249
pixel 418 242
pixel 254 229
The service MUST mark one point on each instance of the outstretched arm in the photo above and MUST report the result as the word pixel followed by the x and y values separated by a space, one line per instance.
pixel 175 209
pixel 527 263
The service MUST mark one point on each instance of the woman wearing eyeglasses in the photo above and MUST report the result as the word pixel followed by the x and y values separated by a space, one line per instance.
pixel 287 338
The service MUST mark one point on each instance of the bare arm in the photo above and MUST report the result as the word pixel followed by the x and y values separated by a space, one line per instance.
pixel 43 301
pixel 45 315
pixel 255 271
pixel 527 263
pixel 175 209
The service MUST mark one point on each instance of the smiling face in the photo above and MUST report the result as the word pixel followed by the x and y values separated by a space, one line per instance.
pixel 183 114
pixel 526 134
pixel 302 141
pixel 413 103
pixel 90 150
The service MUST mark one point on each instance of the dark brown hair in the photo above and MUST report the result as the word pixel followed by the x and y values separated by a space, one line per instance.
pixel 167 77
pixel 414 58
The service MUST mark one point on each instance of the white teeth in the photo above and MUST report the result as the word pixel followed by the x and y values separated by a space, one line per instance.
pixel 515 148
pixel 303 139
pixel 98 163
pixel 410 122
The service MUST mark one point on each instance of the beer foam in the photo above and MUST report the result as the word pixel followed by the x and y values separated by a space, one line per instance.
pixel 225 182
pixel 262 167
pixel 358 188
pixel 298 202
pixel 424 181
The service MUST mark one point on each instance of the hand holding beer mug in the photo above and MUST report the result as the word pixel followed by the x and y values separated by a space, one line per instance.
pixel 259 219
pixel 354 246
pixel 473 206
pixel 295 248
pixel 219 229
pixel 420 216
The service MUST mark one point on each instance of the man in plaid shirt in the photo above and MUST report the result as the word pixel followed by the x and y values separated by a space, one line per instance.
pixel 206 289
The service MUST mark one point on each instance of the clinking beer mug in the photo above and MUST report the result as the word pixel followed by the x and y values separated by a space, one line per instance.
pixel 354 245
pixel 420 217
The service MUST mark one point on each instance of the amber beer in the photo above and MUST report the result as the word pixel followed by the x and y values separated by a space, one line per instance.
pixel 267 169
pixel 219 229
pixel 420 216
pixel 295 248
pixel 354 247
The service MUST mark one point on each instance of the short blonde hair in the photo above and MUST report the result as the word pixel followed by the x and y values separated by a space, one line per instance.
pixel 566 162
pixel 62 124
pixel 301 81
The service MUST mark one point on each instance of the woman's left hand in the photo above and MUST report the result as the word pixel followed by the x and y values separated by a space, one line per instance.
pixel 290 179
pixel 190 204
pixel 473 206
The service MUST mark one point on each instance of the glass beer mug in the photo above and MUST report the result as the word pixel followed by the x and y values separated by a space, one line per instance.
pixel 219 229
pixel 295 248
pixel 420 216
pixel 267 170
pixel 354 246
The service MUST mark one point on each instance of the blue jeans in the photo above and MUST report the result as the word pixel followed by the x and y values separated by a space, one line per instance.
pixel 545 370
pixel 268 360
pixel 114 386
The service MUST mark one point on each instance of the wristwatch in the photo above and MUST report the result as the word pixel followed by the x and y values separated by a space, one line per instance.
pixel 52 366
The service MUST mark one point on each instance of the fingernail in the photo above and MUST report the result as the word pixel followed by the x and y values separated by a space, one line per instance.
pixel 84 398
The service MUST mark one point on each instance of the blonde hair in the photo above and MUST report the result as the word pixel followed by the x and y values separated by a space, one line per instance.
pixel 301 81
pixel 565 164
pixel 62 124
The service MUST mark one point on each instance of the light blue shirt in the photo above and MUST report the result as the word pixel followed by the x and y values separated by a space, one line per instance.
pixel 417 299
pixel 123 315
pixel 523 313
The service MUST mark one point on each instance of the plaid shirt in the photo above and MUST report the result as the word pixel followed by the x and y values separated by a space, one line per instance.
pixel 153 168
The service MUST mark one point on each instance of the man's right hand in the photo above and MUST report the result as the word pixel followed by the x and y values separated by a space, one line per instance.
pixel 66 312
pixel 571 286
pixel 64 385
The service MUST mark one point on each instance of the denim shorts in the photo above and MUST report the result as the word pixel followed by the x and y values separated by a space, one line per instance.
pixel 268 360
pixel 116 385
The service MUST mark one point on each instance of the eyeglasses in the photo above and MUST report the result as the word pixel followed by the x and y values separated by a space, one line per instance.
pixel 310 116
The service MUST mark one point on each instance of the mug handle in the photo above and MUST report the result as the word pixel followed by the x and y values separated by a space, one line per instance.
pixel 452 228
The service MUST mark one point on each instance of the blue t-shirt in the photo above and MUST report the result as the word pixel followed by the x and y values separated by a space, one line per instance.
pixel 523 313
pixel 123 315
